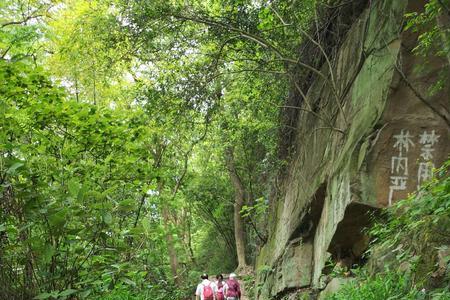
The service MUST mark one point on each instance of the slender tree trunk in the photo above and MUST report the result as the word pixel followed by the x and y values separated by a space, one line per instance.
pixel 165 213
pixel 28 282
pixel 239 196
pixel 173 259
pixel 76 89
pixel 187 235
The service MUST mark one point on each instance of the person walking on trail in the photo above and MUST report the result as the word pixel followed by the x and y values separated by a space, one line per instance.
pixel 219 285
pixel 232 288
pixel 206 290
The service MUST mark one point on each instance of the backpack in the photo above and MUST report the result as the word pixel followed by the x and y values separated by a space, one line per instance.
pixel 208 293
pixel 220 295
pixel 233 288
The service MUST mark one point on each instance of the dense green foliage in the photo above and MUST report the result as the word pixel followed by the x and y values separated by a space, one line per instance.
pixel 390 285
pixel 416 229
pixel 433 28
pixel 74 181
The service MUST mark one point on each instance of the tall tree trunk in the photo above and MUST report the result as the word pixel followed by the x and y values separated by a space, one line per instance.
pixel 239 195
pixel 28 281
pixel 173 259
pixel 187 234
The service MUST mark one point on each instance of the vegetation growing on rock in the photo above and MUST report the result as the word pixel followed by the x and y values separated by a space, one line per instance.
pixel 410 257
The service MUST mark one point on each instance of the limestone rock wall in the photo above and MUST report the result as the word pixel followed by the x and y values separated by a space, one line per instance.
pixel 374 142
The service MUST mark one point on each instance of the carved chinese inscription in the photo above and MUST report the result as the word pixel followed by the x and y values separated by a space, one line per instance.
pixel 399 163
pixel 403 142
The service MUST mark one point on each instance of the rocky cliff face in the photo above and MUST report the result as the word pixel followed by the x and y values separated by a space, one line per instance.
pixel 367 136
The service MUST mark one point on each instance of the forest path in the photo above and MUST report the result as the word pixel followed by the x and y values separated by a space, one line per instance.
pixel 243 291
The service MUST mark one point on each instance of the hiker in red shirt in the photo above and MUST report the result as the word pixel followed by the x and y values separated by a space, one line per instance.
pixel 219 287
pixel 232 288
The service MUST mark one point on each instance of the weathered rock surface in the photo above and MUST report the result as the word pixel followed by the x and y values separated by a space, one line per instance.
pixel 374 143
pixel 334 286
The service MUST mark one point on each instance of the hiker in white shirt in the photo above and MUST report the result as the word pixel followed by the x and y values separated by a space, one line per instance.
pixel 206 290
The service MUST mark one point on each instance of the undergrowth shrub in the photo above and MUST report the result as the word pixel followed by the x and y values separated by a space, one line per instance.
pixel 387 286
pixel 416 229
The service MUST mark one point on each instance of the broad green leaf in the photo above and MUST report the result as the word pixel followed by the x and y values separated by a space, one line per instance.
pixel 67 292
pixel 58 219
pixel 128 281
pixel 11 170
pixel 74 187
pixel 85 293
pixel 43 296
pixel 107 218
pixel 48 252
